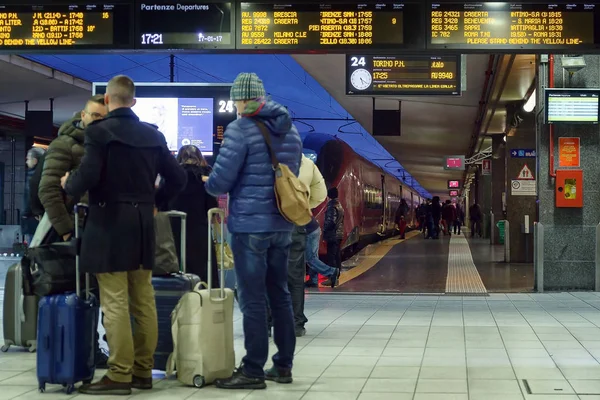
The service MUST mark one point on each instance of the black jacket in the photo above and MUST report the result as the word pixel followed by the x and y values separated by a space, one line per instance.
pixel 333 227
pixel 122 159
pixel 35 205
pixel 194 201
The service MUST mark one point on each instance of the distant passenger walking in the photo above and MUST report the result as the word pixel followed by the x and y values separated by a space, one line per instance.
pixel 460 217
pixel 333 229
pixel 123 157
pixel 400 218
pixel 449 215
pixel 31 212
pixel 475 216
pixel 261 236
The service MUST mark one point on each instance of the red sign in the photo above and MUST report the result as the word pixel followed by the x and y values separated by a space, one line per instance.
pixel 455 163
pixel 453 184
pixel 569 152
pixel 525 174
pixel 454 193
pixel 486 167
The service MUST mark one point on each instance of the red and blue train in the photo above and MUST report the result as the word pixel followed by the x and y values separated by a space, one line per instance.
pixel 370 196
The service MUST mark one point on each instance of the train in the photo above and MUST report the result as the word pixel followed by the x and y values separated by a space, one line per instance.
pixel 370 196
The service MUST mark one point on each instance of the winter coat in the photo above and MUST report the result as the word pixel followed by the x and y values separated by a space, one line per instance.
pixel 35 205
pixel 194 201
pixel 449 212
pixel 64 155
pixel 312 178
pixel 123 157
pixel 243 169
pixel 333 227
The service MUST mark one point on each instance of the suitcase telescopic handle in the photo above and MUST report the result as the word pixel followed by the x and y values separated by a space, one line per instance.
pixel 213 212
pixel 85 208
pixel 183 236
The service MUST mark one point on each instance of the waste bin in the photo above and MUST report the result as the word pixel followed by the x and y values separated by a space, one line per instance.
pixel 501 227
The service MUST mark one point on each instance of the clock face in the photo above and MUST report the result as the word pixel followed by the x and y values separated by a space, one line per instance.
pixel 361 79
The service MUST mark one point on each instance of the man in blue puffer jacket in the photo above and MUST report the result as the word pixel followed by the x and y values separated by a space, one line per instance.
pixel 261 237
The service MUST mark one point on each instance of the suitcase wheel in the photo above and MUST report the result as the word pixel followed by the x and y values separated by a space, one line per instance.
pixel 198 381
pixel 5 348
pixel 70 389
pixel 42 387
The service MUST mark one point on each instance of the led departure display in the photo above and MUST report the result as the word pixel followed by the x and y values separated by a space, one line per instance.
pixel 50 26
pixel 497 25
pixel 402 75
pixel 185 24
pixel 325 26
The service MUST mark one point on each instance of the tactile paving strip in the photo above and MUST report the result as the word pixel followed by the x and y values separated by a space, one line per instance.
pixel 463 276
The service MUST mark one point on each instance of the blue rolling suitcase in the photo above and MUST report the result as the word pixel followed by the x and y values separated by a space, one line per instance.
pixel 168 291
pixel 67 324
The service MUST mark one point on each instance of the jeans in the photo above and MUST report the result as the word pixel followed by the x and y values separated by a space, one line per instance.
pixel 316 266
pixel 296 275
pixel 334 253
pixel 261 266
pixel 457 226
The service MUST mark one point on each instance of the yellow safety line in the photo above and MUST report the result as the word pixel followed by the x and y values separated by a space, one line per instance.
pixel 369 261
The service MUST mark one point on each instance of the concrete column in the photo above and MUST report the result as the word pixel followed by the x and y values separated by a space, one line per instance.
pixel 570 233
pixel 498 182
pixel 522 136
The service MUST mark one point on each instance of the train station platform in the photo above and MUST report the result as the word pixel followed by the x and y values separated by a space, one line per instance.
pixel 453 265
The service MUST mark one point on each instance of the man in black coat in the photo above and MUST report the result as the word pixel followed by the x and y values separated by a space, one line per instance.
pixel 122 159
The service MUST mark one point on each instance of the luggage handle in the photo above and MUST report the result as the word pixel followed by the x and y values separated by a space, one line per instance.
pixel 85 208
pixel 211 214
pixel 183 240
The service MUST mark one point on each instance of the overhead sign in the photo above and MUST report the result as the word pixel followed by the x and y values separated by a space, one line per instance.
pixel 486 167
pixel 185 24
pixel 402 75
pixel 453 184
pixel 455 163
pixel 525 173
pixel 324 26
pixel 512 25
pixel 569 152
pixel 45 25
pixel 523 153
pixel 523 187
pixel 454 193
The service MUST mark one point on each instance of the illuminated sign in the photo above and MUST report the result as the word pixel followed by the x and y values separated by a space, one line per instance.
pixel 326 26
pixel 455 163
pixel 514 25
pixel 572 106
pixel 45 25
pixel 454 193
pixel 453 184
pixel 402 75
pixel 185 24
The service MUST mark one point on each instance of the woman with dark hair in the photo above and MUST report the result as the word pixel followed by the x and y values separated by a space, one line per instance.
pixel 194 201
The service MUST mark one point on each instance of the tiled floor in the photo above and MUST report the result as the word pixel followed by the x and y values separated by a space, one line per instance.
pixel 500 347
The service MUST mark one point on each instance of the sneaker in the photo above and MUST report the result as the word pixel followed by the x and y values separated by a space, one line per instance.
pixel 240 381
pixel 141 383
pixel 335 280
pixel 310 284
pixel 106 387
pixel 279 375
pixel 101 359
pixel 300 332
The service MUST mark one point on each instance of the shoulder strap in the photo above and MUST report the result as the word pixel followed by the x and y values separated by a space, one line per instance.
pixel 267 135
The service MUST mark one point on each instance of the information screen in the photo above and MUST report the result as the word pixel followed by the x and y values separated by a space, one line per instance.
pixel 402 75
pixel 330 26
pixel 572 106
pixel 453 184
pixel 455 163
pixel 48 26
pixel 485 25
pixel 185 24
pixel 454 193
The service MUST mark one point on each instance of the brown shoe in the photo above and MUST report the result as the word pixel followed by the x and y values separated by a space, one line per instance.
pixel 141 383
pixel 106 386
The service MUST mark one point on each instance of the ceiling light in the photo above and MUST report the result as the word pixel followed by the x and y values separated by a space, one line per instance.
pixel 530 103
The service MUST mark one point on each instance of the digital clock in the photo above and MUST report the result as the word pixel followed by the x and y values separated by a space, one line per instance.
pixel 186 24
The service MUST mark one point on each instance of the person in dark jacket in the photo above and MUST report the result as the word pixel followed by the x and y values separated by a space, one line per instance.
pixel 460 217
pixel 449 216
pixel 475 216
pixel 436 215
pixel 400 218
pixel 333 229
pixel 194 201
pixel 36 206
pixel 261 236
pixel 122 159
pixel 31 214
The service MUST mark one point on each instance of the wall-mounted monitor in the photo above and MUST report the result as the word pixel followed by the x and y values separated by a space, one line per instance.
pixel 455 163
pixel 454 193
pixel 185 113
pixel 453 184
pixel 572 106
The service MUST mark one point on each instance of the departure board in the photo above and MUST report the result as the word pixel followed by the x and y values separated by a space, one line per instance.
pixel 329 26
pixel 186 24
pixel 52 26
pixel 402 75
pixel 514 25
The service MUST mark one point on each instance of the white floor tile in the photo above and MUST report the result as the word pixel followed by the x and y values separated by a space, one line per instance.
pixel 442 386
pixel 376 385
